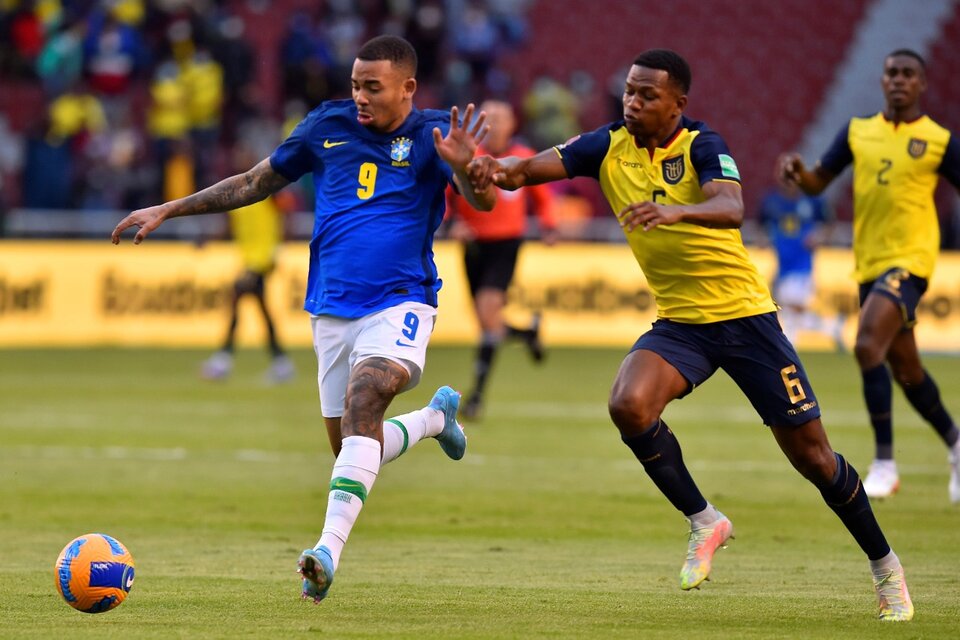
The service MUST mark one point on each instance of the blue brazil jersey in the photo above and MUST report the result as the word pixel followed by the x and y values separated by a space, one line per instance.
pixel 789 223
pixel 379 200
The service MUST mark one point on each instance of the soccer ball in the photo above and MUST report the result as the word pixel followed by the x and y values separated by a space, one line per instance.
pixel 94 573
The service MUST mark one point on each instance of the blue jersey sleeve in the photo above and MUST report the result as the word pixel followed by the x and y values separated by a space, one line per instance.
pixel 441 120
pixel 821 214
pixel 950 163
pixel 583 155
pixel 711 158
pixel 294 157
pixel 839 155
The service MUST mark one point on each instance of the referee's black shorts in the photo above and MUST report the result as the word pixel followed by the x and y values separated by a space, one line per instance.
pixel 490 264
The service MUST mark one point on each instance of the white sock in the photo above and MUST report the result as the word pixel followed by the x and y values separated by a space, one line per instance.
pixel 885 565
pixel 402 432
pixel 705 518
pixel 353 476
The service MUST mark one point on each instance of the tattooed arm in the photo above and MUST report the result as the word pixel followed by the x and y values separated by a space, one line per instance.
pixel 230 193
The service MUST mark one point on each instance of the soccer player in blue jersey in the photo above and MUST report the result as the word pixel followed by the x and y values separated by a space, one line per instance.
pixel 898 156
pixel 676 189
pixel 795 225
pixel 380 167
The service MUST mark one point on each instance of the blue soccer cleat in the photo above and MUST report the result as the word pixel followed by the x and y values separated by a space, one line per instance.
pixel 316 567
pixel 452 439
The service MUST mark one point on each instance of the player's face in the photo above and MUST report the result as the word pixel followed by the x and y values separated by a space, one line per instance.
pixel 382 92
pixel 502 124
pixel 652 104
pixel 903 81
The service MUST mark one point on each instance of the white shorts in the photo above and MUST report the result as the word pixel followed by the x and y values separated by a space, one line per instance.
pixel 400 333
pixel 794 290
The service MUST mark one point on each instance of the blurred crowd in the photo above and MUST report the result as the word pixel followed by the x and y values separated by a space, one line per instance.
pixel 143 101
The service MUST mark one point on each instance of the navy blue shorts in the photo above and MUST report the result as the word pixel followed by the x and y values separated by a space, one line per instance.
pixel 901 286
pixel 753 351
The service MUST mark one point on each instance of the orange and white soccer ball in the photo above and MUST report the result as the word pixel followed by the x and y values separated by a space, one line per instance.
pixel 94 573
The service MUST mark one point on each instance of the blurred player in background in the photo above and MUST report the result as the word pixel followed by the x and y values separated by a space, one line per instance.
pixel 380 167
pixel 491 244
pixel 898 156
pixel 676 189
pixel 796 224
pixel 257 230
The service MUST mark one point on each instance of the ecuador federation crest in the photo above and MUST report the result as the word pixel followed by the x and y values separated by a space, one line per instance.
pixel 400 149
pixel 673 169
pixel 916 147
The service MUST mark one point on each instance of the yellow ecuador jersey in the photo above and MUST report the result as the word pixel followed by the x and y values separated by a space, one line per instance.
pixel 697 274
pixel 257 230
pixel 895 171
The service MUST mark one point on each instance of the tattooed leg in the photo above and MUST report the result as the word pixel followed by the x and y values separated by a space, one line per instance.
pixel 373 384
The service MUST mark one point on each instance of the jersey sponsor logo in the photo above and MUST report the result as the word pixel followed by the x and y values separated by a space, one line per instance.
pixel 404 344
pixel 916 147
pixel 806 406
pixel 673 169
pixel 400 151
pixel 728 167
pixel 327 144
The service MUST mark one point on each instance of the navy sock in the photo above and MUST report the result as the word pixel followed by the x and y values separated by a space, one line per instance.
pixel 925 398
pixel 483 364
pixel 878 393
pixel 845 495
pixel 659 452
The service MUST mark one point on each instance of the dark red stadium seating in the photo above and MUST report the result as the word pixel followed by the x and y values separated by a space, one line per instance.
pixel 752 81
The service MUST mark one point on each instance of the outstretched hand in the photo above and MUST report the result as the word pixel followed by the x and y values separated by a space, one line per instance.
pixel 146 219
pixel 790 167
pixel 460 144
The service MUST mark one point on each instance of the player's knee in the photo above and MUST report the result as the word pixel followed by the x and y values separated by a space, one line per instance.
pixel 867 352
pixel 817 464
pixel 907 375
pixel 632 412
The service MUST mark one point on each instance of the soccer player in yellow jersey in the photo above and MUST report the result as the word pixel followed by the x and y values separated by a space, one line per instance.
pixel 257 231
pixel 898 156
pixel 676 189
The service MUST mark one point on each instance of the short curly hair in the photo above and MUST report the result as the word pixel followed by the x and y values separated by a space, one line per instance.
pixel 393 48
pixel 670 61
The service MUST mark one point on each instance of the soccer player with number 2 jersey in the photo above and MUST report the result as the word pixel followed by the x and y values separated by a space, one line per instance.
pixel 898 156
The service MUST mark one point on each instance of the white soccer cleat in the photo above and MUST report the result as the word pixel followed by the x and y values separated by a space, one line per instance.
pixel 701 546
pixel 218 366
pixel 954 459
pixel 281 370
pixel 882 480
pixel 893 599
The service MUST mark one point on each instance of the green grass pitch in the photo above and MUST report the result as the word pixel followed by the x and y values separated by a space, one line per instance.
pixel 547 529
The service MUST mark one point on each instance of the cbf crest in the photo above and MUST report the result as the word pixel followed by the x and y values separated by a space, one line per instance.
pixel 400 151
pixel 916 147
pixel 673 169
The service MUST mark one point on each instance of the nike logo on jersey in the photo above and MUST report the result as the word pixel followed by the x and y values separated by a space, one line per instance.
pixel 403 344
pixel 330 145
